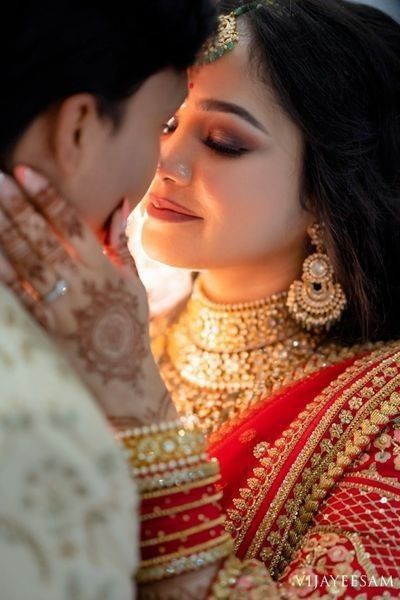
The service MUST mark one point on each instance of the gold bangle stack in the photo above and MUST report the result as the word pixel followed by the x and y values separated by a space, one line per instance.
pixel 177 478
pixel 159 448
pixel 168 460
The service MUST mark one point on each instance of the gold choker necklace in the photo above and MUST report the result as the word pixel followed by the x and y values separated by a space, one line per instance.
pixel 218 359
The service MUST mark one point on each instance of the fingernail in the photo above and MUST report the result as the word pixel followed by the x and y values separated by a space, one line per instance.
pixel 33 182
pixel 8 188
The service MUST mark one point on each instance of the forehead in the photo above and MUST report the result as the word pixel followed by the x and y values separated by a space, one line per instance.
pixel 162 92
pixel 232 78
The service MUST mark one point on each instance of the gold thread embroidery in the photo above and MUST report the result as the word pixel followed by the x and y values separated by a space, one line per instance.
pixel 362 555
pixel 354 538
pixel 333 470
pixel 370 488
pixel 240 523
pixel 289 437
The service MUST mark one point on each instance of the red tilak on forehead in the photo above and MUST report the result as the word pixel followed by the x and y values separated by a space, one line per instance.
pixel 191 85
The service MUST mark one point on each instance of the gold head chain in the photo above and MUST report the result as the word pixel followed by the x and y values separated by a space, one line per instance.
pixel 227 33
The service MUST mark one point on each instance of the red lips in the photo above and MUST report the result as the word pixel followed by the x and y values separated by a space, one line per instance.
pixel 163 209
pixel 170 205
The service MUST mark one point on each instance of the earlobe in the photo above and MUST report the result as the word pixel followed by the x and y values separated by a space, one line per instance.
pixel 72 131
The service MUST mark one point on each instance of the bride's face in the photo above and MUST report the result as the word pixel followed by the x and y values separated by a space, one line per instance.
pixel 232 160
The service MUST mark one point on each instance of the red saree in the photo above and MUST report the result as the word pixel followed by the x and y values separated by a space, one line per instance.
pixel 311 481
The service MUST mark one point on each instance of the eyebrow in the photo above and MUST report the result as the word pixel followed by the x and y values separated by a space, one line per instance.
pixel 211 104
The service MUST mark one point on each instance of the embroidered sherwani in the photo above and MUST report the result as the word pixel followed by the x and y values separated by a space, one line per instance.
pixel 316 496
pixel 67 504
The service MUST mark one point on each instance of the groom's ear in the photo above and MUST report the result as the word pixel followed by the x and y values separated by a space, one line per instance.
pixel 75 133
pixel 63 141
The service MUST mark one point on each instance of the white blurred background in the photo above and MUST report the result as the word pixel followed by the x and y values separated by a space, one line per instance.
pixel 165 286
pixel 392 7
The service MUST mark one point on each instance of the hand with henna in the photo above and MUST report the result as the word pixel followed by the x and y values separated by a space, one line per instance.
pixel 89 299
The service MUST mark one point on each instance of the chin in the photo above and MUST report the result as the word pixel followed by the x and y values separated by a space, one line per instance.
pixel 170 258
pixel 174 251
pixel 164 250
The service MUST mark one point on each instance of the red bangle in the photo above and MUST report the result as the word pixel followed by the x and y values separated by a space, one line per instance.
pixel 172 501
pixel 176 522
pixel 183 542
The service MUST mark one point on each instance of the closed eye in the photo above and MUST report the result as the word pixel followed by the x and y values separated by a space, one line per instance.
pixel 226 149
pixel 221 144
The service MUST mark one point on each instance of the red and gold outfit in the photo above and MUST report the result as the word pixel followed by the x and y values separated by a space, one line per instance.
pixel 307 433
pixel 310 473
pixel 317 494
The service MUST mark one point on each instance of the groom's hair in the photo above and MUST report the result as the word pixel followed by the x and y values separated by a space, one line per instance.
pixel 53 49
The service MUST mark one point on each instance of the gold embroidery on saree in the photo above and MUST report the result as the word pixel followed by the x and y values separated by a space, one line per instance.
pixel 331 468
pixel 371 514
pixel 361 554
pixel 371 488
pixel 310 449
pixel 272 459
pixel 372 473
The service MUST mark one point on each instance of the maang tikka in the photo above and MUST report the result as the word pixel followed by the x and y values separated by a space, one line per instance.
pixel 317 301
pixel 227 35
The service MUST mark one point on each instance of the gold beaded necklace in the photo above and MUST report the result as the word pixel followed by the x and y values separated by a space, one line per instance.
pixel 217 360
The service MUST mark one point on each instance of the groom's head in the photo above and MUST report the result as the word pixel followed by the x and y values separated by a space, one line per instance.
pixel 87 87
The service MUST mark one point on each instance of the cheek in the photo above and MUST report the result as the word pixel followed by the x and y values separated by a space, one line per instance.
pixel 234 193
pixel 256 203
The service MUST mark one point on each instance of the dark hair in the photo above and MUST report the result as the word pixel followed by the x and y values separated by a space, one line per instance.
pixel 335 70
pixel 53 49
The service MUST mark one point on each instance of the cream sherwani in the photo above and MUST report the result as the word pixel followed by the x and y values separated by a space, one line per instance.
pixel 68 525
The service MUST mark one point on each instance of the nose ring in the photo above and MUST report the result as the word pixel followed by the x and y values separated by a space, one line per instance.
pixel 183 171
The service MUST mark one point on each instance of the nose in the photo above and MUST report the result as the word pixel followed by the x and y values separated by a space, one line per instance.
pixel 175 164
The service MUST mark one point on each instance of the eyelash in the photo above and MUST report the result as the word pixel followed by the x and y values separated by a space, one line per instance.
pixel 223 149
pixel 213 145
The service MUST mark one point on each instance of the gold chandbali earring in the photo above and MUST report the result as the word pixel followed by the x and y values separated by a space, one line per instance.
pixel 317 301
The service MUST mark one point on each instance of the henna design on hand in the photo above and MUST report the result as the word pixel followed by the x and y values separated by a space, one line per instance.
pixel 124 253
pixel 110 337
pixel 121 256
pixel 61 214
pixel 19 251
pixel 34 228
pixel 165 407
pixel 158 414
pixel 120 423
